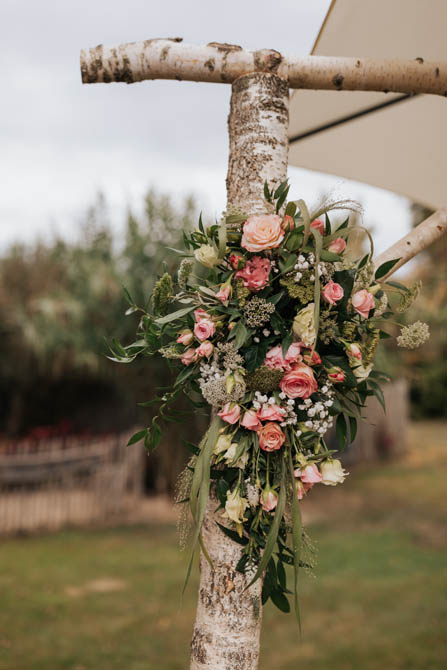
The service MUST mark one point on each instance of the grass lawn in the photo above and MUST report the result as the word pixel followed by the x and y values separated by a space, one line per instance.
pixel 110 599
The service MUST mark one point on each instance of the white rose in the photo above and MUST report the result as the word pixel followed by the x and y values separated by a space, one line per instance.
pixel 304 325
pixel 223 444
pixel 206 255
pixel 231 453
pixel 235 506
pixel 361 372
pixel 332 473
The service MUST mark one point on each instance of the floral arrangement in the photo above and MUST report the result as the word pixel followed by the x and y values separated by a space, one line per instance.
pixel 268 325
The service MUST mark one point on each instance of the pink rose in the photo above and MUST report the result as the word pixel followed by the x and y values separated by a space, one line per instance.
pixel 261 232
pixel 224 293
pixel 255 274
pixel 353 350
pixel 299 382
pixel 250 420
pixel 230 412
pixel 336 375
pixel 185 337
pixel 189 356
pixel 205 349
pixel 288 223
pixel 337 246
pixel 293 353
pixel 237 261
pixel 332 292
pixel 274 359
pixel 204 329
pixel 318 225
pixel 271 413
pixel 312 358
pixel 269 500
pixel 309 474
pixel 271 437
pixel 363 302
pixel 200 314
pixel 300 490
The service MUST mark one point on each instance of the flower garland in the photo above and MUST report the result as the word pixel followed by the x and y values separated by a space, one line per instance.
pixel 268 324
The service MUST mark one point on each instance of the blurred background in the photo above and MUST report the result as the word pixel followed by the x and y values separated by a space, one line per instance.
pixel 97 181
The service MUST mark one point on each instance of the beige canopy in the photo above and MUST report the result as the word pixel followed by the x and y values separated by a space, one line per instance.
pixel 399 145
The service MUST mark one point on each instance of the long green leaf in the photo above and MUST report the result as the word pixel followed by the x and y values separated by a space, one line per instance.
pixel 297 530
pixel 222 239
pixel 174 315
pixel 306 219
pixel 318 247
pixel 200 488
pixel 274 530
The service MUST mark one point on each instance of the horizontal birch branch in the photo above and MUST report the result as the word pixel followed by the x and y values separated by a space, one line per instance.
pixel 419 239
pixel 223 63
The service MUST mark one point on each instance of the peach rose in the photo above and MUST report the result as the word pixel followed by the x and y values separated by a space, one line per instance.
pixel 318 225
pixel 271 437
pixel 269 500
pixel 204 329
pixel 230 412
pixel 332 292
pixel 224 293
pixel 205 349
pixel 299 382
pixel 255 274
pixel 363 302
pixel 310 474
pixel 261 232
pixel 337 246
pixel 189 356
pixel 271 413
pixel 185 337
pixel 250 420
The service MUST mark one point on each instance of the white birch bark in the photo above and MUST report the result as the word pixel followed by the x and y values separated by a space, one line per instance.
pixel 228 622
pixel 224 63
pixel 416 241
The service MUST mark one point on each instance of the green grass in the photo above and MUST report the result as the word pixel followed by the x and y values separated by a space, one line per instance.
pixel 377 601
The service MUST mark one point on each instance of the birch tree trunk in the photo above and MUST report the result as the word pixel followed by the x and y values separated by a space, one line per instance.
pixel 228 622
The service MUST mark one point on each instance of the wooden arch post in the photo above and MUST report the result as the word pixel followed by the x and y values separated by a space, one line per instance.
pixel 228 622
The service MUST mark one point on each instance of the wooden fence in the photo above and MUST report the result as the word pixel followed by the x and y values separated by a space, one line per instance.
pixel 47 485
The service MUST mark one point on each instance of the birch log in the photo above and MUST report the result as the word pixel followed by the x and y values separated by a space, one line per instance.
pixel 224 63
pixel 228 622
pixel 412 244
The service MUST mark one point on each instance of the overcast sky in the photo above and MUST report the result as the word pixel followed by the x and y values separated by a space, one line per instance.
pixel 62 142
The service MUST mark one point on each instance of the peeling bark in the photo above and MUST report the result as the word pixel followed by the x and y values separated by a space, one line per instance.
pixel 412 244
pixel 224 63
pixel 228 622
pixel 257 124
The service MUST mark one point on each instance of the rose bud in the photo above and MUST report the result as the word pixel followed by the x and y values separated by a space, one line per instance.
pixel 318 225
pixel 185 337
pixel 269 500
pixel 312 359
pixel 353 351
pixel 288 223
pixel 337 246
pixel 336 375
pixel 237 262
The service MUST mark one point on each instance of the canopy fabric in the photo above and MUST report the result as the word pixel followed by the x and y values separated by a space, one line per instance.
pixel 399 147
